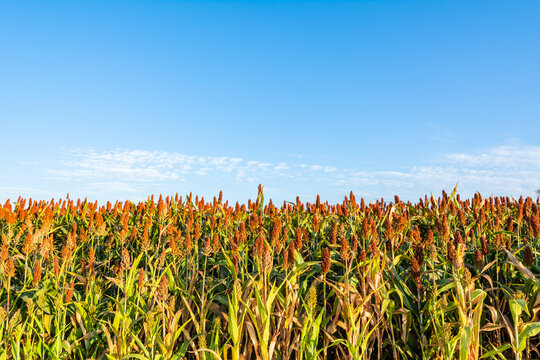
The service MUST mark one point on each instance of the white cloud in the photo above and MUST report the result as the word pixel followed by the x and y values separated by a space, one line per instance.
pixel 503 170
pixel 134 166
pixel 500 157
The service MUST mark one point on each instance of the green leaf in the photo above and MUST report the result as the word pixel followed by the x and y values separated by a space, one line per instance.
pixel 135 356
pixel 497 351
pixel 516 307
pixel 528 331
pixel 464 343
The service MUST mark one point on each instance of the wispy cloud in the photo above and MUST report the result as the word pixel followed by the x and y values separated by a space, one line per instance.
pixel 502 157
pixel 137 166
pixel 503 170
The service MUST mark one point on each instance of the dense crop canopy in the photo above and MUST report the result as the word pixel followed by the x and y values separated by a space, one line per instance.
pixel 181 277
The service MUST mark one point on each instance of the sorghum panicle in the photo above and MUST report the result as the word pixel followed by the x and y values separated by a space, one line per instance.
pixel 325 264
pixel 478 261
pixel 528 256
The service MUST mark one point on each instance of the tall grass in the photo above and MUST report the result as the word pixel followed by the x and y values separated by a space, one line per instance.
pixel 182 278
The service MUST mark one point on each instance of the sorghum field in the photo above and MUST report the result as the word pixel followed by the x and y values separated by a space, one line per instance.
pixel 184 277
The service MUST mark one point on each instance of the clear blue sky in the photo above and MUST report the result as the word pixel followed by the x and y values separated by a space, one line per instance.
pixel 117 100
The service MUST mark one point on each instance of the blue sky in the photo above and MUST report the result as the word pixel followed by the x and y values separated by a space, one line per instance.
pixel 119 100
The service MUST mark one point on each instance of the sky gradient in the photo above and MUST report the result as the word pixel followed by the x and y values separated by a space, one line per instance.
pixel 115 101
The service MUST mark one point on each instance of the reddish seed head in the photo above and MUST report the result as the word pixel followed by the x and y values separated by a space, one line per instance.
pixel 37 272
pixel 235 262
pixel 315 223
pixel 478 261
pixel 362 255
pixel 305 236
pixel 510 224
pixel 355 243
pixel 298 238
pixel 141 278
pixel 334 233
pixel 9 268
pixel 415 268
pixel 534 224
pixel 374 248
pixel 325 264
pixel 483 242
pixel 528 256
pixel 458 240
pixel 69 292
pixel 450 251
pixel 126 261
pixel 286 259
pixel 242 234
pixel 5 252
pixel 345 252
pixel 56 265
pixel 388 227
pixel 215 243
pixel 429 237
pixel 258 246
pixel 267 259
pixel 519 213
pixel 419 253
pixel 291 251
pixel 188 242
pixel 275 232
pixel 163 289
pixel 29 245
pixel 499 241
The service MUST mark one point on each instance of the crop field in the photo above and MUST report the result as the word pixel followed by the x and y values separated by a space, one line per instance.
pixel 187 277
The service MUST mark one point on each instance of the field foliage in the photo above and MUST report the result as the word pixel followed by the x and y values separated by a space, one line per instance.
pixel 182 277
